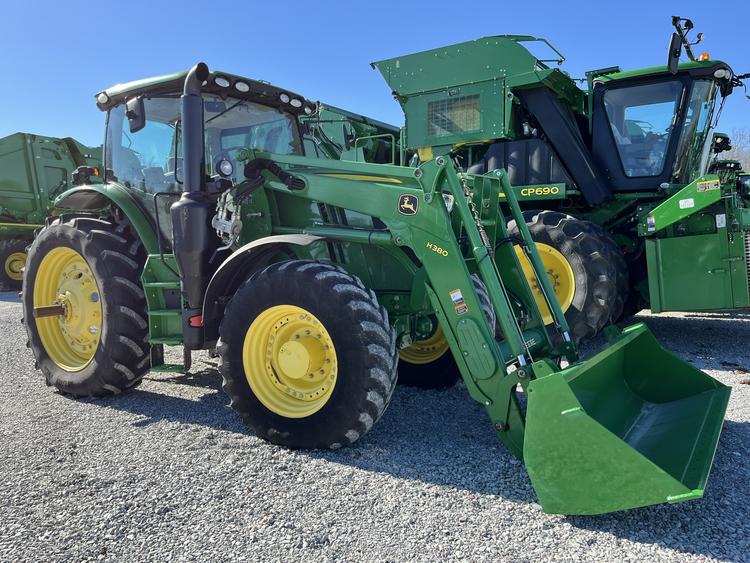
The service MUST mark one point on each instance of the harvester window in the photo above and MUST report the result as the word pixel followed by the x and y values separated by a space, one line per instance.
pixel 694 147
pixel 641 119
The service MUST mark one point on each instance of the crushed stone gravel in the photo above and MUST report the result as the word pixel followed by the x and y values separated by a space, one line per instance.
pixel 168 473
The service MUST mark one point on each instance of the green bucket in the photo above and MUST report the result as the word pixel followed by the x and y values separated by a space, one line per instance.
pixel 632 426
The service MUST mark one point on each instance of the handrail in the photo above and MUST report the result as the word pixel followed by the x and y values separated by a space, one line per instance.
pixel 368 137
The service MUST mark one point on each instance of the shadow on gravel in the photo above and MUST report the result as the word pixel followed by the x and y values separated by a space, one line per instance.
pixel 705 527
pixel 440 438
pixel 210 409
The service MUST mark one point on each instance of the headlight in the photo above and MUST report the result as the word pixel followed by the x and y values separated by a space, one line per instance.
pixel 225 168
pixel 221 82
pixel 722 73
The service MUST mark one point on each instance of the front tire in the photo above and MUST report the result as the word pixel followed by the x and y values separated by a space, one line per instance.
pixel 308 356
pixel 90 267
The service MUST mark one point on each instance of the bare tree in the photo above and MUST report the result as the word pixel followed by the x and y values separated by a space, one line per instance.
pixel 740 147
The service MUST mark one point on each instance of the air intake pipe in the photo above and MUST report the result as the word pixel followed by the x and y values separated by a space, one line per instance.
pixel 194 241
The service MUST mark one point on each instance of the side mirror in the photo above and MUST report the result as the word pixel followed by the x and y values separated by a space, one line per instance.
pixel 675 50
pixel 136 114
pixel 722 143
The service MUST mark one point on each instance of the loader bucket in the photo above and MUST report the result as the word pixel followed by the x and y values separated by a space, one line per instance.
pixel 632 426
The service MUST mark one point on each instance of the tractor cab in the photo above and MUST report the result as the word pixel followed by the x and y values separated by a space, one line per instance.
pixel 652 127
pixel 144 149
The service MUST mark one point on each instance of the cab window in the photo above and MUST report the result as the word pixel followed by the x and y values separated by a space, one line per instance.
pixel 232 125
pixel 150 160
pixel 145 160
pixel 694 146
pixel 641 119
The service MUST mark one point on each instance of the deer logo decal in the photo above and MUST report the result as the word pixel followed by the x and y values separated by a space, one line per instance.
pixel 408 204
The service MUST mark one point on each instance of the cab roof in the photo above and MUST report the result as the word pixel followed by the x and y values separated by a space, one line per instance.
pixel 697 68
pixel 256 91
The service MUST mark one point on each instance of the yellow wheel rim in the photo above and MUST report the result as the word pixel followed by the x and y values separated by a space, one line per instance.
pixel 66 279
pixel 14 265
pixel 290 361
pixel 426 351
pixel 560 274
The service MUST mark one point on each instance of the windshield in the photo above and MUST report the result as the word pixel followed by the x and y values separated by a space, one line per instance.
pixel 696 138
pixel 641 119
pixel 150 160
pixel 232 125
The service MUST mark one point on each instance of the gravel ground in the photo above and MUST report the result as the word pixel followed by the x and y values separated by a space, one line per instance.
pixel 167 472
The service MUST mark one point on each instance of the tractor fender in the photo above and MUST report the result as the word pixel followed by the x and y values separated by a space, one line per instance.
pixel 245 261
pixel 98 196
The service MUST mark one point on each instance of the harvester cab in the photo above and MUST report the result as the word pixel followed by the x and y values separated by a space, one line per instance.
pixel 213 228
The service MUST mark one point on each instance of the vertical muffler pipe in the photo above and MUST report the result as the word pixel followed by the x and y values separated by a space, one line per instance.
pixel 193 239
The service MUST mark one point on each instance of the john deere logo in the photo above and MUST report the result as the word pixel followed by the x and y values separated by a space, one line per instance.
pixel 408 204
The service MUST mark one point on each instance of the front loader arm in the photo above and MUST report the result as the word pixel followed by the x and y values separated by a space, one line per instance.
pixel 412 206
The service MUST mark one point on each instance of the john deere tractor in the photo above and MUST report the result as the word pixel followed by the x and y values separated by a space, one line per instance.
pixel 211 227
pixel 612 176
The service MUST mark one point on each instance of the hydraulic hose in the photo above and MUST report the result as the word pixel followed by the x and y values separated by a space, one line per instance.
pixel 255 166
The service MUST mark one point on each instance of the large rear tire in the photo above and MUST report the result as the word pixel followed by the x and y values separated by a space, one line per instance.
pixel 578 262
pixel 13 258
pixel 308 356
pixel 429 363
pixel 92 267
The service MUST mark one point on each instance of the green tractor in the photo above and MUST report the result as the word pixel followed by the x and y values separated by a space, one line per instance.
pixel 729 171
pixel 212 228
pixel 614 178
pixel 33 170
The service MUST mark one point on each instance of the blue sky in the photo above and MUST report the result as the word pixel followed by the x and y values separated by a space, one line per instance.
pixel 55 56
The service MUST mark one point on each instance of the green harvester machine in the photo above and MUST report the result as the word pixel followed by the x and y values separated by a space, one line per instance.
pixel 34 169
pixel 614 176
pixel 212 227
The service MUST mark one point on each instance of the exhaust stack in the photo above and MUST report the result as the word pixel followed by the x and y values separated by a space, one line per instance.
pixel 194 240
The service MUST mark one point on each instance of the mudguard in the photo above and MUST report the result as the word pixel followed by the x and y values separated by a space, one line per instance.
pixel 98 196
pixel 234 270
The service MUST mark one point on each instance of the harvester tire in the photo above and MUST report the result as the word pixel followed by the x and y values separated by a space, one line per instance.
pixel 13 258
pixel 622 278
pixel 308 356
pixel 442 372
pixel 588 254
pixel 99 346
